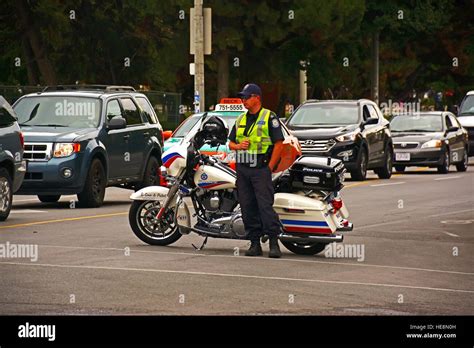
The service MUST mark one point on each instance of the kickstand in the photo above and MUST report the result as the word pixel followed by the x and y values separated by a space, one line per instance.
pixel 202 246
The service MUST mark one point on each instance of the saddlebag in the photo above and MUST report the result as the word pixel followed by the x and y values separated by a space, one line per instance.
pixel 316 173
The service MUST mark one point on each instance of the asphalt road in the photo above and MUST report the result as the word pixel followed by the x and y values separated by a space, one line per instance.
pixel 416 231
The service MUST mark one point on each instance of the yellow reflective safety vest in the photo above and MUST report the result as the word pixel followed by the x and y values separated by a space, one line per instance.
pixel 258 135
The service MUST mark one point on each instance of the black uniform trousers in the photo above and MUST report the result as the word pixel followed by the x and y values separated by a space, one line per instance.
pixel 256 197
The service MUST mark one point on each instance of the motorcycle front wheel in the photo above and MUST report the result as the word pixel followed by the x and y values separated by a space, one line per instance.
pixel 304 248
pixel 142 219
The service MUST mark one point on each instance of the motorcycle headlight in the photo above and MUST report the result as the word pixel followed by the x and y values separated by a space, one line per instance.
pixel 66 149
pixel 432 144
pixel 348 136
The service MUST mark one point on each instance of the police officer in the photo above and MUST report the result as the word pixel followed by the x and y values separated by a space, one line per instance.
pixel 257 138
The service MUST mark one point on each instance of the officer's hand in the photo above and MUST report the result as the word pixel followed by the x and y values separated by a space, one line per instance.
pixel 244 145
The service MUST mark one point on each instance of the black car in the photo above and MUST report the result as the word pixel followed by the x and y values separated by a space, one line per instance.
pixel 82 139
pixel 432 139
pixel 354 131
pixel 12 165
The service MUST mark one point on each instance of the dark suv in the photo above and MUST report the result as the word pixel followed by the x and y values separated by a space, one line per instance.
pixel 12 165
pixel 81 139
pixel 352 130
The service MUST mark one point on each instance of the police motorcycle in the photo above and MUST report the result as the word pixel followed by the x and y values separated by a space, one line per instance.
pixel 307 198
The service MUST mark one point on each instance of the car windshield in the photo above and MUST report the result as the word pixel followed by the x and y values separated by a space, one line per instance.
pixel 420 123
pixel 467 107
pixel 190 122
pixel 58 111
pixel 325 115
pixel 185 127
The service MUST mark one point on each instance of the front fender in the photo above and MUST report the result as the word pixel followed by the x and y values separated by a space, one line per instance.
pixel 93 148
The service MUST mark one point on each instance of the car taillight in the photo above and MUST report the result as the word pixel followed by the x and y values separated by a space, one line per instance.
pixel 22 139
pixel 336 204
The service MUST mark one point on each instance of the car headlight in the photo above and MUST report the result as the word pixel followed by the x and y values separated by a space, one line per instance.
pixel 348 136
pixel 432 144
pixel 66 149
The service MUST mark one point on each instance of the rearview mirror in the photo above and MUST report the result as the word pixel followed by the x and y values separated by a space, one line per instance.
pixel 117 123
pixel 167 134
pixel 456 109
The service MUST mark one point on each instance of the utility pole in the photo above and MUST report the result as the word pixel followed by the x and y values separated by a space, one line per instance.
pixel 199 54
pixel 375 67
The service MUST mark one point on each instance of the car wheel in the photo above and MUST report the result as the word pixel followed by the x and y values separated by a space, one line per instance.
pixel 49 198
pixel 462 166
pixel 360 172
pixel 444 167
pixel 385 172
pixel 400 168
pixel 92 196
pixel 6 194
pixel 150 177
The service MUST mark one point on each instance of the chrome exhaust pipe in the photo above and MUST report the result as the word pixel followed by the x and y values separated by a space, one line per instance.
pixel 331 238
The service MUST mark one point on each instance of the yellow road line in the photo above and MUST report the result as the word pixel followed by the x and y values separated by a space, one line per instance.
pixel 63 220
pixel 124 213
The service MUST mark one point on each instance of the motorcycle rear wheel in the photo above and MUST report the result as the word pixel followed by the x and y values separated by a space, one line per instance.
pixel 143 223
pixel 304 249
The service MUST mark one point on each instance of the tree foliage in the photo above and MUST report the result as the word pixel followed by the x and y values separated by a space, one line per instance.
pixel 91 41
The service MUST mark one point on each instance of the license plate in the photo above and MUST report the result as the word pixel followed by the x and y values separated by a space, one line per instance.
pixel 402 156
pixel 311 179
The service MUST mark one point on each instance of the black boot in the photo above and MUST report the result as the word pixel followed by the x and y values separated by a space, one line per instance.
pixel 254 250
pixel 274 248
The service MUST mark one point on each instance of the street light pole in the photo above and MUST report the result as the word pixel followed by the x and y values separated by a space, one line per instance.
pixel 375 67
pixel 199 53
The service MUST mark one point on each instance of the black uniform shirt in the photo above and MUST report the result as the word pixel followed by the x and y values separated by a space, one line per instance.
pixel 274 130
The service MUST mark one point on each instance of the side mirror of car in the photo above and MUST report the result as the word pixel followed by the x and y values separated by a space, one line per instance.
pixel 167 134
pixel 369 122
pixel 452 129
pixel 117 123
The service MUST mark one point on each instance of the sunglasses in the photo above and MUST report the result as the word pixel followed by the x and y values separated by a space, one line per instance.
pixel 248 96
